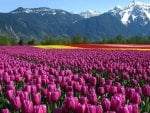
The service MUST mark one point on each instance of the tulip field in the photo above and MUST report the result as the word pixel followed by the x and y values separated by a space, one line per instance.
pixel 75 80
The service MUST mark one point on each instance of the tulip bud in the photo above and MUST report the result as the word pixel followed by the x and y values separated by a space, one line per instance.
pixel 40 109
pixel 9 94
pixel 36 98
pixel 16 103
pixel 24 96
pixel 49 97
pixel 135 98
pixel 84 90
pixel 113 90
pixel 83 100
pixel 5 111
pixel 90 109
pixel 101 90
pixel 123 109
pixel 146 90
pixel 55 96
pixel 33 89
pixel 70 103
pixel 80 108
pixel 99 109
pixel 93 99
pixel 106 104
pixel 27 106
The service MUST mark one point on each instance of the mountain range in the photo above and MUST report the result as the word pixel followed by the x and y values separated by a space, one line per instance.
pixel 27 23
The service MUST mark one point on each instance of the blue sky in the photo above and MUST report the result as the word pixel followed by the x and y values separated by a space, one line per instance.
pixel 75 6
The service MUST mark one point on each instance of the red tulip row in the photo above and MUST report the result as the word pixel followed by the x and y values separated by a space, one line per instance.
pixel 78 81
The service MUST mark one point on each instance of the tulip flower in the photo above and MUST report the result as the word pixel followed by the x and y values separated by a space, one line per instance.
pixel 93 99
pixel 40 109
pixel 90 109
pixel 101 90
pixel 106 104
pixel 24 96
pixel 36 98
pixel 99 109
pixel 135 98
pixel 55 96
pixel 123 109
pixel 80 108
pixel 9 94
pixel 27 106
pixel 5 111
pixel 16 103
pixel 113 90
pixel 146 90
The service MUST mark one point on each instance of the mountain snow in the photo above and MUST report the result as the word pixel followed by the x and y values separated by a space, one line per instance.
pixel 135 11
pixel 89 13
pixel 42 11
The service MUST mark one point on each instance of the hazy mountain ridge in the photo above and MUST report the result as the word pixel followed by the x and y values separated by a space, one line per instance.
pixel 40 22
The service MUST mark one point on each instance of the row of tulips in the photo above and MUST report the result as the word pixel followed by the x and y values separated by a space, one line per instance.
pixel 74 81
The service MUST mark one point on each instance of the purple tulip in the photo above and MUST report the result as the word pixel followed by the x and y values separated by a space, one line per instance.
pixel 9 94
pixel 27 106
pixel 83 100
pixel 123 109
pixel 101 90
pixel 93 99
pixel 36 98
pixel 16 103
pixel 99 109
pixel 52 87
pixel 146 90
pixel 40 109
pixel 49 99
pixel 55 96
pixel 57 110
pixel 71 103
pixel 106 104
pixel 80 108
pixel 5 111
pixel 33 89
pixel 90 109
pixel 84 90
pixel 135 98
pixel 113 90
pixel 24 96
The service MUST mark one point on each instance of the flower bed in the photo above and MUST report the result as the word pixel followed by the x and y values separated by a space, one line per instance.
pixel 34 80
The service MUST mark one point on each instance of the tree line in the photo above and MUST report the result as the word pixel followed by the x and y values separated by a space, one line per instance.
pixel 6 40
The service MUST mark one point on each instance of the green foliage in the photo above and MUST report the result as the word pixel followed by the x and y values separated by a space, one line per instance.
pixel 79 40
pixel 6 40
pixel 122 40
pixel 20 42
pixel 31 42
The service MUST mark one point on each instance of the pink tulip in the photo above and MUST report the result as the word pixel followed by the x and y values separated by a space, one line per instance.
pixel 9 94
pixel 101 90
pixel 135 98
pixel 106 104
pixel 5 111
pixel 90 109
pixel 55 96
pixel 36 98
pixel 40 109
pixel 16 103
pixel 80 108
pixel 27 106
pixel 146 90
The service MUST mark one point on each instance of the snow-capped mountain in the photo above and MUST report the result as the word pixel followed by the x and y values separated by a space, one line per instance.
pixel 41 10
pixel 89 13
pixel 135 12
